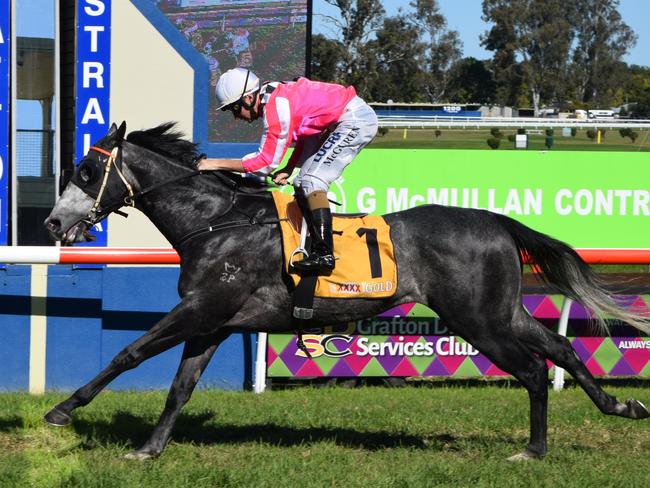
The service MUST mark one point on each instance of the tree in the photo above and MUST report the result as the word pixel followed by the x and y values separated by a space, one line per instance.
pixel 637 92
pixel 602 39
pixel 359 19
pixel 394 63
pixel 539 32
pixel 502 39
pixel 443 47
pixel 326 55
pixel 641 109
pixel 407 57
pixel 471 81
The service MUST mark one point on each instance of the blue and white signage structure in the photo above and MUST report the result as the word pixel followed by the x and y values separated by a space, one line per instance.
pixel 5 96
pixel 93 82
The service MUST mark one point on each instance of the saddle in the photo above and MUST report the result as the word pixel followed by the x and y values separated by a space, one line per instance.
pixel 365 265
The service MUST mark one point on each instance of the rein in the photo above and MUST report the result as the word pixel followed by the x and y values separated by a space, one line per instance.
pixel 116 154
pixel 250 219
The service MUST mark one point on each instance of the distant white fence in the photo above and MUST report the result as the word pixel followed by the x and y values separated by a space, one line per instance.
pixel 435 122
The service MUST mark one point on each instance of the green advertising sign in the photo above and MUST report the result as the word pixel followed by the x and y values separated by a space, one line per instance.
pixel 588 199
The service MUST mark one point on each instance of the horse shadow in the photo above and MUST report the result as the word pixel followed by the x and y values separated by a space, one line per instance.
pixel 8 424
pixel 127 429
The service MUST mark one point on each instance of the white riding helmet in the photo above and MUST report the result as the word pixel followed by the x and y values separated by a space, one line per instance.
pixel 234 84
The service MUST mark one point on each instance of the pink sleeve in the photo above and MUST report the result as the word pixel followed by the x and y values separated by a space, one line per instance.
pixel 275 139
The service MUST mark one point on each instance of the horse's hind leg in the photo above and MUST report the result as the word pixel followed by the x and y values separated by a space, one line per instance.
pixel 509 354
pixel 176 327
pixel 559 350
pixel 196 356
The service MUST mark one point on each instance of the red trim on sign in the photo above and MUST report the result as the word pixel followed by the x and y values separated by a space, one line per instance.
pixel 609 256
pixel 615 256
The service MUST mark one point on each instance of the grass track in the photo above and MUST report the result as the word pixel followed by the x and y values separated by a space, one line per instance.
pixel 442 436
pixel 476 139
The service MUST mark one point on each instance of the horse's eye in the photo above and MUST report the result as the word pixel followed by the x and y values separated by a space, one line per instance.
pixel 86 172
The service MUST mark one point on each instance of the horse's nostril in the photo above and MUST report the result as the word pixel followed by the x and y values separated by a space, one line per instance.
pixel 53 225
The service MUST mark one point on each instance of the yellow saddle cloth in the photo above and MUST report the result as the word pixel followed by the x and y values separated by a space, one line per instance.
pixel 365 262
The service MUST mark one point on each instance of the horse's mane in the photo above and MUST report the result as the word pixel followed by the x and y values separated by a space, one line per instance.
pixel 166 141
pixel 171 143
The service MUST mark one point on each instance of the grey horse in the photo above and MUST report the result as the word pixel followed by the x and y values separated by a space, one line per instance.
pixel 465 264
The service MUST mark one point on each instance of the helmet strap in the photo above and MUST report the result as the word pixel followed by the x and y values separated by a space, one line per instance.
pixel 250 106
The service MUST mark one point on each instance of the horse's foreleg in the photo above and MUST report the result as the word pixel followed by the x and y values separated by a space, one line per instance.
pixel 196 356
pixel 177 326
pixel 559 350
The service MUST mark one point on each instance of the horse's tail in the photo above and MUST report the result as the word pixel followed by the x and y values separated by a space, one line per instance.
pixel 564 270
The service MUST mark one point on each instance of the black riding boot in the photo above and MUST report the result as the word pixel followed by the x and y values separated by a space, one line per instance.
pixel 321 257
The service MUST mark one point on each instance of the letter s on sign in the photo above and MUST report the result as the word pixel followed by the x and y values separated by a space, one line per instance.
pixel 313 344
pixel 97 3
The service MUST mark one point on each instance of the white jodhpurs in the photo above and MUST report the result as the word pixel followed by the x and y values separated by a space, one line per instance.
pixel 323 162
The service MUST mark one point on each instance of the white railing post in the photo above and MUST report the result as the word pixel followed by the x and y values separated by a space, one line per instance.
pixel 558 377
pixel 260 364
pixel 38 329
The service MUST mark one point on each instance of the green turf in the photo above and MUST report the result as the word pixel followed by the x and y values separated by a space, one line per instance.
pixel 380 437
pixel 476 139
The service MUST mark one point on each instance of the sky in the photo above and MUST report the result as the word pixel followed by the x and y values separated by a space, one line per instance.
pixel 464 16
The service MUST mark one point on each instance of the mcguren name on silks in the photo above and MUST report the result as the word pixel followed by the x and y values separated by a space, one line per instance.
pixel 444 346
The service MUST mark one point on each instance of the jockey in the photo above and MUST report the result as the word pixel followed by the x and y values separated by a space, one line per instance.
pixel 329 125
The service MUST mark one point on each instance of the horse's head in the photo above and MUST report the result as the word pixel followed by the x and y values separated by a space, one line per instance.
pixel 142 169
pixel 92 192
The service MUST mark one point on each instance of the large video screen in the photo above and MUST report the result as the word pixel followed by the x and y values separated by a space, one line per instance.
pixel 267 37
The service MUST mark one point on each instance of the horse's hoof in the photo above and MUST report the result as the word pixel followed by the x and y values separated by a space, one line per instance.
pixel 57 417
pixel 141 455
pixel 525 456
pixel 636 409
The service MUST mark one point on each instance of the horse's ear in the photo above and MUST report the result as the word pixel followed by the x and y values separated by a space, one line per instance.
pixel 120 132
pixel 112 130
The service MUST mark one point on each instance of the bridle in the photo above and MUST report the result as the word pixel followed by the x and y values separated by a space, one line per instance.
pixel 114 160
pixel 110 163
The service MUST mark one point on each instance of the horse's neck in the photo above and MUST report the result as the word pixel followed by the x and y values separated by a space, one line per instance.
pixel 192 203
pixel 181 206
